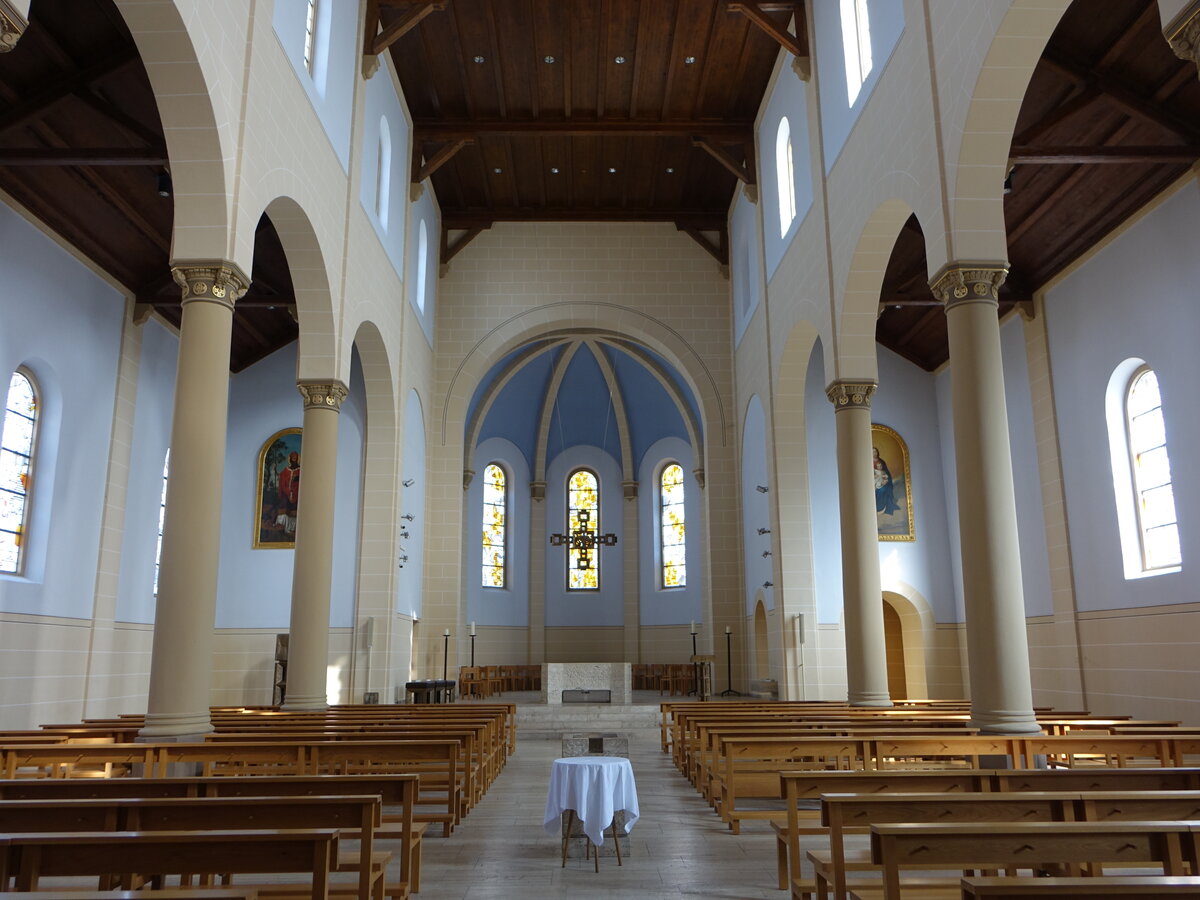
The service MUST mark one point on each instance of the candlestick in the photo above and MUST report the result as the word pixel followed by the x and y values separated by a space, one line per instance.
pixel 729 665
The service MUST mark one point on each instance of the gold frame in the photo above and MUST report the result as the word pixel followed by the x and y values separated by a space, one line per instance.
pixel 893 447
pixel 260 484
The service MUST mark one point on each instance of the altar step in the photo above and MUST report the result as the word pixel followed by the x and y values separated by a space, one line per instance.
pixel 552 722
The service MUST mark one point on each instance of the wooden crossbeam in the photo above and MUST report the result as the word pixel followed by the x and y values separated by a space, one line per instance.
pixel 719 251
pixel 756 13
pixel 439 159
pixel 1104 154
pixel 459 221
pixel 449 251
pixel 453 129
pixel 41 102
pixel 72 156
pixel 403 25
pixel 745 174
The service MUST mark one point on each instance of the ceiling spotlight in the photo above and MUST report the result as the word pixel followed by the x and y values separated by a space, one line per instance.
pixel 163 187
pixel 761 488
pixel 549 60
pixel 689 60
pixel 554 170
pixel 670 170
pixel 619 60
pixel 612 171
pixel 479 60
pixel 498 170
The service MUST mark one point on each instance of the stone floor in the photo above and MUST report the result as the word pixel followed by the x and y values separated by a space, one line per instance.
pixel 679 847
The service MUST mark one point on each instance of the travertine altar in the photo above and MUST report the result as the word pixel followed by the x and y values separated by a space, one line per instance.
pixel 615 677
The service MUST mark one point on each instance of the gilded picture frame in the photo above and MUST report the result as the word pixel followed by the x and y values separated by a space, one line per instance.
pixel 278 482
pixel 893 485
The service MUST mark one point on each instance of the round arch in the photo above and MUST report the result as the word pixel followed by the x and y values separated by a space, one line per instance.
pixel 916 625
pixel 201 183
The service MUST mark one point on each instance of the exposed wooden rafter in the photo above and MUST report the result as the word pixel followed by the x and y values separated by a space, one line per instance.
pixel 100 156
pixel 439 159
pixel 450 129
pixel 376 41
pixel 743 172
pixel 451 250
pixel 45 99
pixel 796 44
pixel 1103 154
pixel 718 251
pixel 455 220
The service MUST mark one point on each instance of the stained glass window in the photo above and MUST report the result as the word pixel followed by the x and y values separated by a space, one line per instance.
pixel 1151 473
pixel 583 512
pixel 495 525
pixel 672 527
pixel 162 517
pixel 16 465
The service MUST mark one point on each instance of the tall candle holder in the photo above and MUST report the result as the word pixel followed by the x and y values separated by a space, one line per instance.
pixel 729 691
pixel 445 652
pixel 472 645
pixel 695 666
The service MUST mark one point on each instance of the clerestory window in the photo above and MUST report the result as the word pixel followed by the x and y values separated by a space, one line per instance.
pixel 17 441
pixel 856 46
pixel 785 176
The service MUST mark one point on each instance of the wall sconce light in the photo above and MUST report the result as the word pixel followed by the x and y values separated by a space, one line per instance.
pixel 407 518
pixel 163 186
pixel 766 553
pixel 409 482
pixel 768 584
pixel 761 488
pixel 764 531
pixel 404 534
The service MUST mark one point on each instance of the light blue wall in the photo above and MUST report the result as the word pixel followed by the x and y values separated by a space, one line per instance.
pixel 651 413
pixel 515 413
pixel 788 98
pixel 837 116
pixel 412 501
pixel 424 210
pixel 1136 298
pixel 254 587
pixel 143 496
pixel 330 88
pixel 583 413
pixel 670 606
pixel 508 605
pixel 756 507
pixel 382 101
pixel 605 607
pixel 745 272
pixel 75 363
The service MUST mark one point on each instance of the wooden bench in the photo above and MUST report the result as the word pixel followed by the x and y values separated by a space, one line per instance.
pixel 154 855
pixel 1182 887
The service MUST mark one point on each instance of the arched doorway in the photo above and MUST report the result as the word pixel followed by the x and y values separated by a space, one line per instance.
pixel 893 636
pixel 907 623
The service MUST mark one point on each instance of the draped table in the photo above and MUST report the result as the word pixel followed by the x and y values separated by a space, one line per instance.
pixel 592 788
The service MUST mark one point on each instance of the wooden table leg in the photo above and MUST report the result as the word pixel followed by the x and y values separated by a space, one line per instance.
pixel 567 836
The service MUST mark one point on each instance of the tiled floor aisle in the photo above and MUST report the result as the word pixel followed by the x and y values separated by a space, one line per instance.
pixel 679 847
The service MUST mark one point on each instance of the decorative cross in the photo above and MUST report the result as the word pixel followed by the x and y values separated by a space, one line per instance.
pixel 583 538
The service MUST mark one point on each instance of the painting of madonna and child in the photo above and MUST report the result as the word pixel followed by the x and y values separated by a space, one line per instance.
pixel 893 485
pixel 278 491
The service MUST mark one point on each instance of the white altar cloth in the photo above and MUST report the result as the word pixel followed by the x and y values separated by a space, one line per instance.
pixel 595 787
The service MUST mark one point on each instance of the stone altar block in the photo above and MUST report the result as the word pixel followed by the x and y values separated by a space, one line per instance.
pixel 614 677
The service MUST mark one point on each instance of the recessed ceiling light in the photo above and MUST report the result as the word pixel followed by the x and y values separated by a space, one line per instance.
pixel 619 60
pixel 479 59
pixel 498 170
pixel 670 170
pixel 689 60
pixel 612 171
pixel 548 59
pixel 554 170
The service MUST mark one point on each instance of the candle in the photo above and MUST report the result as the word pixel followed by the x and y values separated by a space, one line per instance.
pixel 728 630
pixel 472 629
pixel 446 633
pixel 693 627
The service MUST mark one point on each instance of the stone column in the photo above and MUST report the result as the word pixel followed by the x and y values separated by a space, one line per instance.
pixel 866 651
pixel 185 610
pixel 1182 30
pixel 312 567
pixel 997 643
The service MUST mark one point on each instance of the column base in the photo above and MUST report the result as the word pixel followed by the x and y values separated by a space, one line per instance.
pixel 315 701
pixel 1005 722
pixel 869 698
pixel 175 726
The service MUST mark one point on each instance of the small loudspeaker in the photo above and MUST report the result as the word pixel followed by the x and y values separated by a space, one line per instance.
pixel 368 636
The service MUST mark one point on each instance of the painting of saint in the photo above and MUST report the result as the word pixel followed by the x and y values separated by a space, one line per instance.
pixel 278 491
pixel 893 485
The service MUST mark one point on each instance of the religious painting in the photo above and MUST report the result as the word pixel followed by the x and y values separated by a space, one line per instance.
pixel 893 485
pixel 278 491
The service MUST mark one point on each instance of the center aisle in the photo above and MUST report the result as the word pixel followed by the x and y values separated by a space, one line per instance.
pixel 680 848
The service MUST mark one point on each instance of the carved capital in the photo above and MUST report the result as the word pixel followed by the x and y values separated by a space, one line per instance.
pixel 322 394
pixel 850 394
pixel 468 477
pixel 12 26
pixel 537 490
pixel 216 282
pixel 630 489
pixel 698 474
pixel 1183 34
pixel 968 283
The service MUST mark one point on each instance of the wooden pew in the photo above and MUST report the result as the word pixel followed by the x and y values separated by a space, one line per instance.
pixel 1182 887
pixel 30 857
pixel 190 893
pixel 1041 845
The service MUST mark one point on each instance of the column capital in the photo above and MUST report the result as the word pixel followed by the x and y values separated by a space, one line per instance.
pixel 969 282
pixel 322 394
pixel 1183 33
pixel 218 281
pixel 12 25
pixel 629 489
pixel 850 394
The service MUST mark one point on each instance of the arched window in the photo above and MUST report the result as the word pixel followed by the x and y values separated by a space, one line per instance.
pixel 1154 497
pixel 16 468
pixel 162 517
pixel 856 46
pixel 422 264
pixel 672 527
pixel 495 525
pixel 583 512
pixel 310 36
pixel 785 176
pixel 383 174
